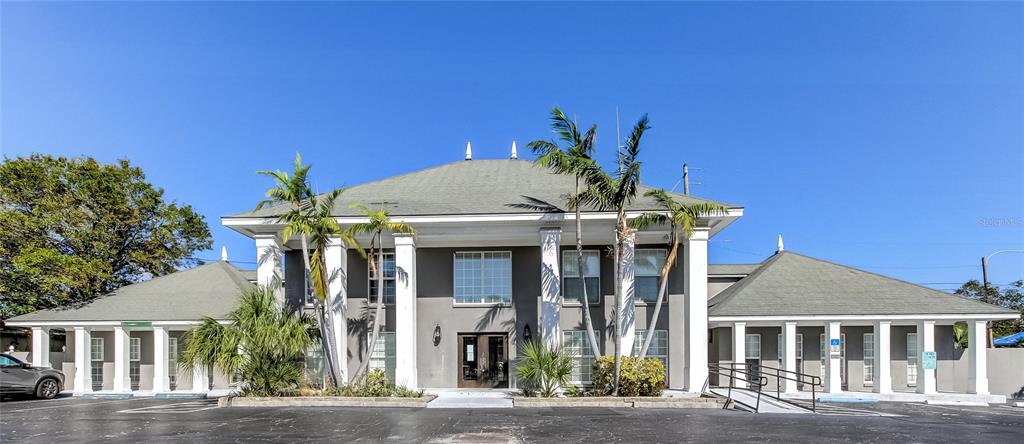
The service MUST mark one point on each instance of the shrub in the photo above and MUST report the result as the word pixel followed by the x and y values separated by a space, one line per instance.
pixel 636 378
pixel 374 385
pixel 542 370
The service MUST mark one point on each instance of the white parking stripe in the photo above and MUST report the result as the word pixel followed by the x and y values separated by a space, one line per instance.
pixel 63 405
pixel 180 407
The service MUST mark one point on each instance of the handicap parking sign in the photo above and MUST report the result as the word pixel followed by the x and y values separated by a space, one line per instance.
pixel 834 347
pixel 928 360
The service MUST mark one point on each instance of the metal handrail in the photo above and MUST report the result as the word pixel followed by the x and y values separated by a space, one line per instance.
pixel 731 371
pixel 801 378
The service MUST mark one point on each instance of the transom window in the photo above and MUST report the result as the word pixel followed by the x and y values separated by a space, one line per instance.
pixel 647 265
pixel 659 345
pixel 383 355
pixel 386 263
pixel 571 288
pixel 578 347
pixel 483 277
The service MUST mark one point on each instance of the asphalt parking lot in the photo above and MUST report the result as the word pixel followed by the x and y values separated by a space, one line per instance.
pixel 143 419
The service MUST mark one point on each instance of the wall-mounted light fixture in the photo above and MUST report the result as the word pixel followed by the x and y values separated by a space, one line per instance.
pixel 437 334
pixel 526 333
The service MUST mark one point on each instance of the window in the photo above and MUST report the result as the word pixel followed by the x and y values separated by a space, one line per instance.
pixel 591 273
pixel 911 359
pixel 869 358
pixel 172 362
pixel 134 358
pixel 483 277
pixel 8 362
pixel 659 345
pixel 576 345
pixel 647 269
pixel 387 265
pixel 383 355
pixel 314 364
pixel 96 356
pixel 826 350
pixel 753 354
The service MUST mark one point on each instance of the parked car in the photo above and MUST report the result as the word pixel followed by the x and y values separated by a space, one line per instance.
pixel 18 377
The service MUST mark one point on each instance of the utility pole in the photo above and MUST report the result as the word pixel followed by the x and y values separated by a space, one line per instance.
pixel 686 179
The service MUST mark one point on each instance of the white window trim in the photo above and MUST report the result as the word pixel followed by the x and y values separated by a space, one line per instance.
pixel 93 348
pixel 577 358
pixel 747 350
pixel 455 302
pixel 134 343
pixel 600 297
pixel 638 300
pixel 912 382
pixel 382 342
pixel 868 382
pixel 369 278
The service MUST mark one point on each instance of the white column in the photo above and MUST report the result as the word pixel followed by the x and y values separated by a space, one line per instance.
pixel 833 379
pixel 789 356
pixel 200 379
pixel 627 272
pixel 405 312
pixel 337 285
pixel 40 347
pixel 925 342
pixel 977 348
pixel 739 353
pixel 83 360
pixel 695 325
pixel 883 369
pixel 161 381
pixel 550 287
pixel 268 268
pixel 122 380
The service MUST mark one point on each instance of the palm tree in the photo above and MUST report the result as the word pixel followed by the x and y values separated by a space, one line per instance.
pixel 682 218
pixel 572 161
pixel 379 222
pixel 262 344
pixel 616 193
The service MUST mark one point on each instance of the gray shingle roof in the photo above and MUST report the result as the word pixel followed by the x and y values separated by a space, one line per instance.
pixel 731 269
pixel 465 187
pixel 792 284
pixel 210 290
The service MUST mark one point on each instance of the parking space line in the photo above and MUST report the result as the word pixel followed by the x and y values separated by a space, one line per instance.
pixel 180 407
pixel 63 405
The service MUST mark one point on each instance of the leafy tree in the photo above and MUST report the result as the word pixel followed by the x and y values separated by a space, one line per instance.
pixel 1011 297
pixel 574 160
pixel 379 222
pixel 263 344
pixel 682 218
pixel 74 228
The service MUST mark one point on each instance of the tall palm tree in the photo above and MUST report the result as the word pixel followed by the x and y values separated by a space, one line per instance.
pixel 379 222
pixel 572 161
pixel 682 218
pixel 616 193
pixel 260 344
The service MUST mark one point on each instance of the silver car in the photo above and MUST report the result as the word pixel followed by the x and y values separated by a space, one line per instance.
pixel 17 377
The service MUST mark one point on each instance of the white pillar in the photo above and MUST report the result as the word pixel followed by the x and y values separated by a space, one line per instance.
pixel 161 380
pixel 739 353
pixel 550 287
pixel 268 268
pixel 977 348
pixel 83 360
pixel 337 288
pixel 925 343
pixel 40 347
pixel 883 368
pixel 695 325
pixel 833 378
pixel 789 356
pixel 200 379
pixel 122 380
pixel 405 312
pixel 627 270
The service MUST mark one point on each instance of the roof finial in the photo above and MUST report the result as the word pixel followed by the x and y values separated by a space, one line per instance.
pixel 780 247
pixel 469 151
pixel 223 253
pixel 515 154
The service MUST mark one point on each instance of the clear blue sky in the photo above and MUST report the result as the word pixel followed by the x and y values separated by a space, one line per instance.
pixel 888 136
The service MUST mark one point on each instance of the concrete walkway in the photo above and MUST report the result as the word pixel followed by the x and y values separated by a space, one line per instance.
pixel 471 398
pixel 966 398
pixel 767 405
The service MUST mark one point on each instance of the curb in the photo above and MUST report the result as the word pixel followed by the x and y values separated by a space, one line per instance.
pixel 323 401
pixel 638 403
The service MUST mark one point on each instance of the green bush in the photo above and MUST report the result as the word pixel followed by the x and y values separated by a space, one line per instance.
pixel 374 385
pixel 542 370
pixel 636 378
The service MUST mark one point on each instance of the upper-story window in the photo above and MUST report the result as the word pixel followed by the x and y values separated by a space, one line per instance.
pixel 483 277
pixel 647 264
pixel 591 274
pixel 386 263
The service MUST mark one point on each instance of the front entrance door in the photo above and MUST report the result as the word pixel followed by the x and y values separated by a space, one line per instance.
pixel 483 359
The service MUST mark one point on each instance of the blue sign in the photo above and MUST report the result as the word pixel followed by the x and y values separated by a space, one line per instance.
pixel 928 360
pixel 835 342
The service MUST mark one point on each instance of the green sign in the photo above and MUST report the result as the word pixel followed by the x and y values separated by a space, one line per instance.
pixel 928 360
pixel 136 324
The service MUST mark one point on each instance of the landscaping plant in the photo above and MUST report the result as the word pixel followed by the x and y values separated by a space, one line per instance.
pixel 542 370
pixel 638 377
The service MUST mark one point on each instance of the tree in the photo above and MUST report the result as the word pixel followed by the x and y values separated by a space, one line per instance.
pixel 573 160
pixel 1011 297
pixel 74 228
pixel 263 344
pixel 682 218
pixel 610 193
pixel 379 222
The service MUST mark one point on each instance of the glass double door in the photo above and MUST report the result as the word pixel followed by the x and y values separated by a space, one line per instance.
pixel 483 360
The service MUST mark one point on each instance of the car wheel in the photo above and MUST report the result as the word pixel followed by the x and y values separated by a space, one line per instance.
pixel 47 389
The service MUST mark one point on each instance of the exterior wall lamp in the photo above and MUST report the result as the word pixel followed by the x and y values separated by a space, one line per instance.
pixel 437 334
pixel 526 333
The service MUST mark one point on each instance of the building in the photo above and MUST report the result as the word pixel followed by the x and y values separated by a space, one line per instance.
pixel 492 264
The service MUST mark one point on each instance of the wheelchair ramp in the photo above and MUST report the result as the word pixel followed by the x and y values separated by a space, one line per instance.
pixel 747 400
